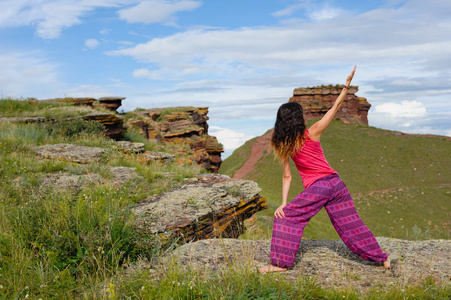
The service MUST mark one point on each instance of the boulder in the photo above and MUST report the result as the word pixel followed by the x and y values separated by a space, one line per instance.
pixel 210 206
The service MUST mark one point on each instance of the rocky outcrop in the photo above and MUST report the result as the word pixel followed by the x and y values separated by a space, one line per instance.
pixel 316 101
pixel 110 103
pixel 329 261
pixel 209 206
pixel 113 123
pixel 184 126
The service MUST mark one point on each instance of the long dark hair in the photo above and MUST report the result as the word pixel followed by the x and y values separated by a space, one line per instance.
pixel 289 130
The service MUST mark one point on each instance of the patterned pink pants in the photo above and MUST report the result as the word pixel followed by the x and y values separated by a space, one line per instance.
pixel 329 192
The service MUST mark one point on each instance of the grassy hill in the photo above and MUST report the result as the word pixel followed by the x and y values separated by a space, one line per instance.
pixel 401 184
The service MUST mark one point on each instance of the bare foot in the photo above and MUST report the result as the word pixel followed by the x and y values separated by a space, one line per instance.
pixel 271 268
pixel 387 264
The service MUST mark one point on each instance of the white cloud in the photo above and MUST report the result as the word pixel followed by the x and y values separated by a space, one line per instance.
pixel 326 12
pixel 288 11
pixel 91 43
pixel 50 17
pixel 27 75
pixel 229 138
pixel 157 11
pixel 329 41
pixel 404 109
pixel 145 73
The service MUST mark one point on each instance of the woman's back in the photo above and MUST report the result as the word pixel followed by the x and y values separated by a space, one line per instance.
pixel 311 162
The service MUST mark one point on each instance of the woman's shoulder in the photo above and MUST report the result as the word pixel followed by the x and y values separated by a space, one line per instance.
pixel 312 134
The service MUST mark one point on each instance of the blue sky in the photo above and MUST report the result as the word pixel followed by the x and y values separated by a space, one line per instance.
pixel 242 59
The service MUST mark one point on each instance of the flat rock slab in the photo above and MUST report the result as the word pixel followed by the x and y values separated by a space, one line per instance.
pixel 121 175
pixel 330 261
pixel 208 208
pixel 70 152
pixel 130 147
pixel 66 180
pixel 149 156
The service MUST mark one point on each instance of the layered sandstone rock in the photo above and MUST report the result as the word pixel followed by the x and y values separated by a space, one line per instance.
pixel 114 124
pixel 110 103
pixel 184 126
pixel 316 101
pixel 210 206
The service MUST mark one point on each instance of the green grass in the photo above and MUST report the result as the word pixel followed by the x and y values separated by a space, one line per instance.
pixel 399 182
pixel 240 156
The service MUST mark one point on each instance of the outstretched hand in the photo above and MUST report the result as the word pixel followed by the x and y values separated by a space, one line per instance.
pixel 349 79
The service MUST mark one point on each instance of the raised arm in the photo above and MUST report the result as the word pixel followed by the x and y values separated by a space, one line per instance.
pixel 318 128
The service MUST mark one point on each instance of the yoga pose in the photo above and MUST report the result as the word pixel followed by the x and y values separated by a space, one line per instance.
pixel 323 188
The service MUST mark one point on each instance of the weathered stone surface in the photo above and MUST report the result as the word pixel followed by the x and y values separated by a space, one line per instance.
pixel 149 156
pixel 70 152
pixel 113 124
pixel 32 119
pixel 210 206
pixel 330 261
pixel 122 175
pixel 316 101
pixel 130 147
pixel 184 126
pixel 110 103
pixel 66 180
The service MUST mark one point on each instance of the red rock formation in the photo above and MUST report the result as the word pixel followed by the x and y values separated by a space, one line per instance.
pixel 113 124
pixel 316 101
pixel 110 103
pixel 184 126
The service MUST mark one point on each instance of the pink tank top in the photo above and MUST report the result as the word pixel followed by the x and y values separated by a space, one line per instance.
pixel 311 162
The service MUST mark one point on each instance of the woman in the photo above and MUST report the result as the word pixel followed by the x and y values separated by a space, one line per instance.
pixel 323 188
